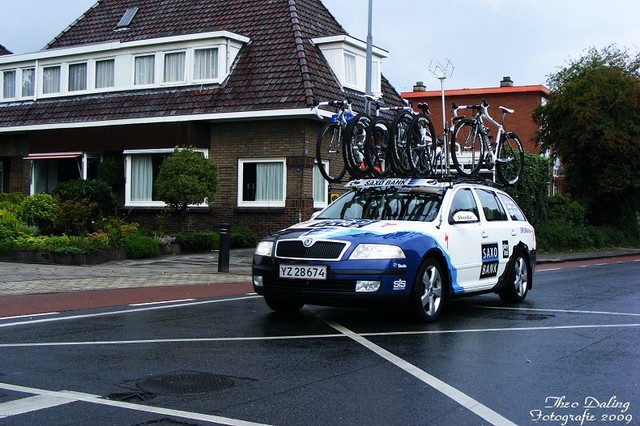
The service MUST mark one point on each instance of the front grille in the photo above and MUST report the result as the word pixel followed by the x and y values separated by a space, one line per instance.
pixel 295 249
pixel 301 286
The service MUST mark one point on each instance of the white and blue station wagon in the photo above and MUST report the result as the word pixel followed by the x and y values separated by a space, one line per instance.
pixel 414 243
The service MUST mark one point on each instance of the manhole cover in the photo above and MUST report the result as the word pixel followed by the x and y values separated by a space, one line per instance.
pixel 184 382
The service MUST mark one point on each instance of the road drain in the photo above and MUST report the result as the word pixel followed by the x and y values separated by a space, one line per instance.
pixel 184 383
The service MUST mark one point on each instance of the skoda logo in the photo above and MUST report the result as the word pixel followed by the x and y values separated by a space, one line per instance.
pixel 307 242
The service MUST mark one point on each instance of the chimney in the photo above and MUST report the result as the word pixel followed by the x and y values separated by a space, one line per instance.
pixel 506 82
pixel 419 87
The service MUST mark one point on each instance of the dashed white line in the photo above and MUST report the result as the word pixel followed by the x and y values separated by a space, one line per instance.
pixel 33 403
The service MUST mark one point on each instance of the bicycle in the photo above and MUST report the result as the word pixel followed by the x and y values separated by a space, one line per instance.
pixel 471 146
pixel 380 143
pixel 401 135
pixel 329 153
pixel 357 155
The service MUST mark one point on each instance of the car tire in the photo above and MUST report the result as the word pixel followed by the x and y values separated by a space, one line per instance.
pixel 429 291
pixel 517 285
pixel 283 306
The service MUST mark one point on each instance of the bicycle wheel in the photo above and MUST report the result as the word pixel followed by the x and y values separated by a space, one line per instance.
pixel 329 152
pixel 398 143
pixel 467 149
pixel 420 144
pixel 353 141
pixel 510 161
pixel 377 148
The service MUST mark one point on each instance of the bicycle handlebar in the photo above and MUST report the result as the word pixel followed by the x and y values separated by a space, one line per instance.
pixel 343 105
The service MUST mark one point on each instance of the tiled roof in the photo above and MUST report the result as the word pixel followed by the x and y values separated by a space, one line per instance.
pixel 4 50
pixel 279 69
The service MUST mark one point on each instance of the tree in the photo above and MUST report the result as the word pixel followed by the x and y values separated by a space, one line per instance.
pixel 185 178
pixel 592 122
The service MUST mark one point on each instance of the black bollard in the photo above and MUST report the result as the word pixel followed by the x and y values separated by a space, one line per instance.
pixel 223 253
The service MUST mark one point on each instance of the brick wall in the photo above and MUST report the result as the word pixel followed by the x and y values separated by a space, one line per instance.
pixel 520 122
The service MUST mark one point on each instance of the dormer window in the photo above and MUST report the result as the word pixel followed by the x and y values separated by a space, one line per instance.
pixel 174 67
pixel 347 57
pixel 77 77
pixel 195 59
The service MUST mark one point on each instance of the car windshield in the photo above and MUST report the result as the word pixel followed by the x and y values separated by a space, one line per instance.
pixel 416 205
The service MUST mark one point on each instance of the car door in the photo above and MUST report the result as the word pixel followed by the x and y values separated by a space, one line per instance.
pixel 497 238
pixel 463 240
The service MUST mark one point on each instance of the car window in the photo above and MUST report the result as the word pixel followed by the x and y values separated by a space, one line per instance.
pixel 492 209
pixel 463 201
pixel 512 208
pixel 384 205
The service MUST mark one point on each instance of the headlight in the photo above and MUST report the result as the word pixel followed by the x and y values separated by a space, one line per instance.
pixel 377 251
pixel 264 248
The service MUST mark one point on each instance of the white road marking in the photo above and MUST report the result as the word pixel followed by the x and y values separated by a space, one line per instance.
pixel 162 302
pixel 461 398
pixel 44 314
pixel 563 311
pixel 33 403
pixel 70 396
pixel 122 311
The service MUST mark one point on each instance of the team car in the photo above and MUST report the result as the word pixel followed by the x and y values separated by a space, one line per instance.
pixel 412 243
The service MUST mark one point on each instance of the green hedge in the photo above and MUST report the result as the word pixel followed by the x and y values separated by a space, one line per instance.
pixel 138 246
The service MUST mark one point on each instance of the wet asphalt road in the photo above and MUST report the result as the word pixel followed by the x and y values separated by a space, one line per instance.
pixel 568 355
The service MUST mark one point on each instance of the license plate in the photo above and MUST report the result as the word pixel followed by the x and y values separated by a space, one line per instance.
pixel 303 272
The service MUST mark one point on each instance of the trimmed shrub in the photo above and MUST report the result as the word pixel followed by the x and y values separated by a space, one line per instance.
pixel 62 244
pixel 200 241
pixel 242 237
pixel 40 210
pixel 138 246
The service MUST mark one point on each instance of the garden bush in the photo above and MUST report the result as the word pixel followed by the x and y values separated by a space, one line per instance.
pixel 62 244
pixel 197 241
pixel 242 237
pixel 138 246
pixel 88 191
pixel 41 211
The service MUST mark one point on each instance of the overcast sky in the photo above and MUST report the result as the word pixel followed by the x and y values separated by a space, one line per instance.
pixel 484 40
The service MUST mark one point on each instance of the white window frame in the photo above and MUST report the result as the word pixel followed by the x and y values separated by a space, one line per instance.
pixel 13 73
pixel 70 77
pixel 323 200
pixel 34 82
pixel 273 203
pixel 128 180
pixel 182 78
pixel 349 79
pixel 59 78
pixel 135 68
pixel 97 69
pixel 216 64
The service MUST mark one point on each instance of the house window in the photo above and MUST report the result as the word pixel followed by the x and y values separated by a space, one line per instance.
pixel 51 80
pixel 77 77
pixel 262 183
pixel 47 170
pixel 375 77
pixel 174 67
pixel 105 71
pixel 142 168
pixel 28 81
pixel 9 84
pixel 320 187
pixel 144 70
pixel 350 72
pixel 205 64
